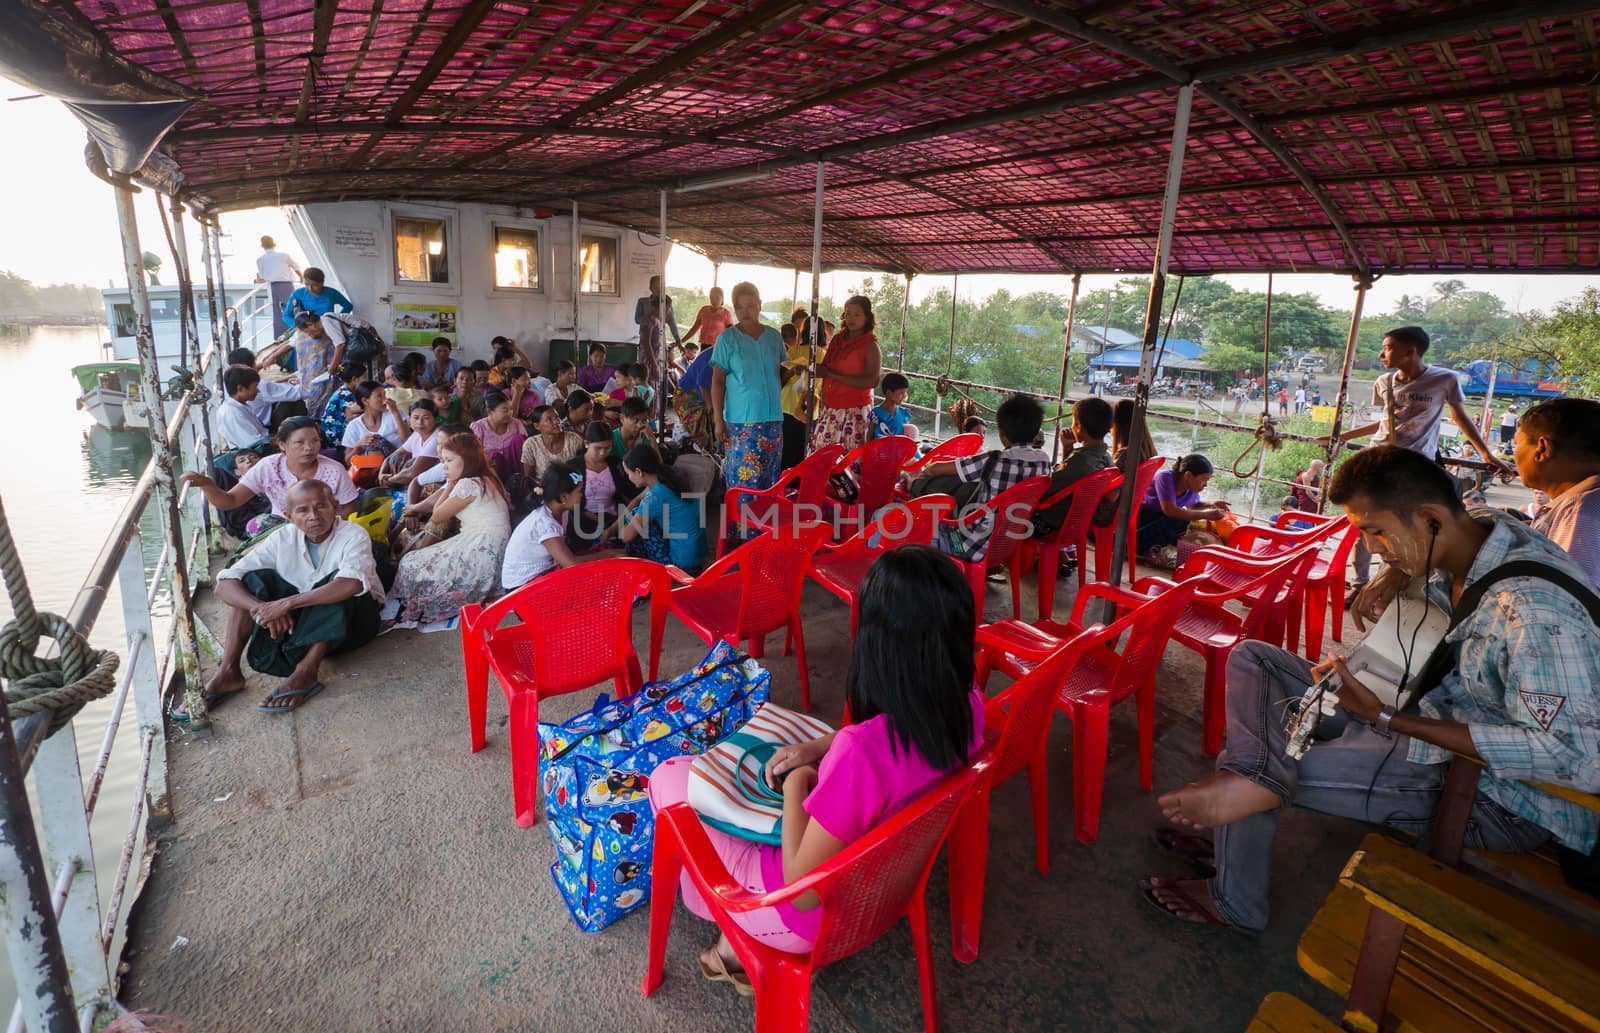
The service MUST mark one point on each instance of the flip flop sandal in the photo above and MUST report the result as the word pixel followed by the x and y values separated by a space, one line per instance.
pixel 212 700
pixel 1188 904
pixel 1191 846
pixel 297 697
pixel 720 974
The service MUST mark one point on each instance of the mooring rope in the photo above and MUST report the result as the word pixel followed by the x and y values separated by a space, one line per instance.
pixel 36 685
pixel 1266 437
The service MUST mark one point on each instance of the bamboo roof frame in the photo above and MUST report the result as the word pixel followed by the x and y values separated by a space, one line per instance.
pixel 1022 136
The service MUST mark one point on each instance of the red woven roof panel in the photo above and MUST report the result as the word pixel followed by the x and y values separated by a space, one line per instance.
pixel 1413 134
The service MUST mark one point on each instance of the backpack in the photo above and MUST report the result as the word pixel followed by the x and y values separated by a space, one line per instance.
pixel 362 345
pixel 1582 871
pixel 595 774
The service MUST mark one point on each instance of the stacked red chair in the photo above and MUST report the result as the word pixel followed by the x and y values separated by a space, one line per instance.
pixel 575 631
pixel 1211 629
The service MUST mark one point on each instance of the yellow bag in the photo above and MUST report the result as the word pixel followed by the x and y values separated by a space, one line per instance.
pixel 373 516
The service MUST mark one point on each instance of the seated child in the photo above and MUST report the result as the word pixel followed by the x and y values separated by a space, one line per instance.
pixel 631 384
pixel 974 425
pixel 557 390
pixel 341 405
pixel 918 718
pixel 660 524
pixel 235 422
pixel 480 375
pixel 891 416
pixel 538 544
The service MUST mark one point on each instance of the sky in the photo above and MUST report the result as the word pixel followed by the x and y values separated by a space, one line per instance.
pixel 60 227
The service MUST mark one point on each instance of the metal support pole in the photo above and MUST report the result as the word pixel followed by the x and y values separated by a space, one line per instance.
pixel 1066 362
pixel 58 785
pixel 1334 444
pixel 1485 424
pixel 577 287
pixel 171 516
pixel 716 270
pixel 189 323
pixel 146 687
pixel 663 355
pixel 814 324
pixel 794 291
pixel 905 314
pixel 1134 454
pixel 32 941
pixel 950 355
pixel 207 253
pixel 229 340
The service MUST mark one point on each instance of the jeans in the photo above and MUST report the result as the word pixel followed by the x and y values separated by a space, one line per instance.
pixel 1359 775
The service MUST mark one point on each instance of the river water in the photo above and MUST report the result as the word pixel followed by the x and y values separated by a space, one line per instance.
pixel 63 481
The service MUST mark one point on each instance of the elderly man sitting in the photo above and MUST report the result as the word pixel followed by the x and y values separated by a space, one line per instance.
pixel 308 590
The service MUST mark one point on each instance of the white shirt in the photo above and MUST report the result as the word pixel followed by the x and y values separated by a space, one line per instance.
pixel 1572 521
pixel 271 393
pixel 357 429
pixel 1508 418
pixel 427 448
pixel 526 554
pixel 335 325
pixel 1411 411
pixel 237 425
pixel 277 267
pixel 432 475
pixel 1300 396
pixel 346 552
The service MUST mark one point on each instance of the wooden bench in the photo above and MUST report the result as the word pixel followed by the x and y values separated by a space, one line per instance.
pixel 1431 948
pixel 1283 1013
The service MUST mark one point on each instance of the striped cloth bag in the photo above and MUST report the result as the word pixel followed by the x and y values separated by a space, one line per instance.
pixel 728 785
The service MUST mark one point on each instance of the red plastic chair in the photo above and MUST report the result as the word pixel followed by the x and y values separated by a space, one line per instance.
pixel 1279 540
pixel 576 631
pixel 878 465
pixel 751 592
pixel 864 890
pixel 1011 513
pixel 958 447
pixel 841 568
pixel 1325 591
pixel 1105 537
pixel 803 485
pixel 1045 553
pixel 1016 721
pixel 1209 628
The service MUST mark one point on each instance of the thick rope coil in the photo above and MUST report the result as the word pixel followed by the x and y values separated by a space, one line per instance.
pixel 62 684
pixel 941 387
pixel 33 684
pixel 1266 437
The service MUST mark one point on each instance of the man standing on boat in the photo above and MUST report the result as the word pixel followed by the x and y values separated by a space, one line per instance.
pixel 307 590
pixel 280 273
pixel 653 315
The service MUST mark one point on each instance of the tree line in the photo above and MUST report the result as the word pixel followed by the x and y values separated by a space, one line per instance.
pixel 1015 340
pixel 21 299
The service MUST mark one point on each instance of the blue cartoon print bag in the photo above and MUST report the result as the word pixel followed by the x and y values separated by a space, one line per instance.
pixel 596 776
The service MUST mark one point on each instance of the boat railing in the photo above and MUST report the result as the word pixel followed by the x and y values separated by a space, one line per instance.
pixel 51 890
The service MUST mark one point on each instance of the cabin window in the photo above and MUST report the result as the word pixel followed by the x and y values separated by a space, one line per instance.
pixel 516 258
pixel 598 268
pixel 421 250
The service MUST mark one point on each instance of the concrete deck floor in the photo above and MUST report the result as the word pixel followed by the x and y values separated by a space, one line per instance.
pixel 351 866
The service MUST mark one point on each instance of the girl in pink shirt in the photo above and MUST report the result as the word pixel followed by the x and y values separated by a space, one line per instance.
pixel 918 717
